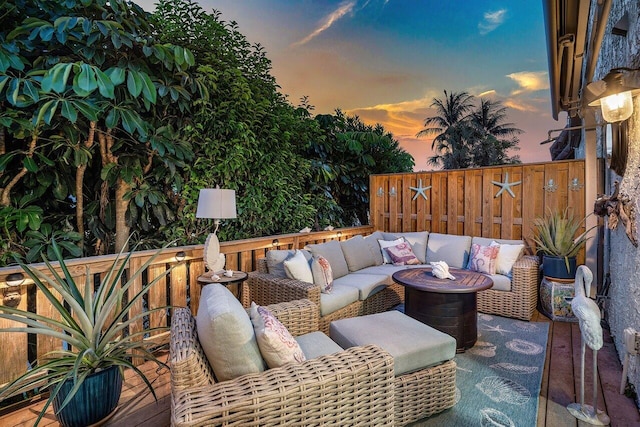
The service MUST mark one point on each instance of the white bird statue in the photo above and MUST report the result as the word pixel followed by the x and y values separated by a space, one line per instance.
pixel 588 314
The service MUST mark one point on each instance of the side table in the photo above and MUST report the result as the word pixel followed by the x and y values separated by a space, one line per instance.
pixel 555 300
pixel 237 278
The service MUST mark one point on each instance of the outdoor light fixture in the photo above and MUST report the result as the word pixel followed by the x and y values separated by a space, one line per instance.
pixel 393 192
pixel 380 192
pixel 613 94
pixel 14 279
pixel 215 203
pixel 180 256
pixel 275 242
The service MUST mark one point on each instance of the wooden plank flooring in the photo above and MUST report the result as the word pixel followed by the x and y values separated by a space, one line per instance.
pixel 560 386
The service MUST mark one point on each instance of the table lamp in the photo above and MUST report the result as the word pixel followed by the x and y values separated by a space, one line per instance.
pixel 218 204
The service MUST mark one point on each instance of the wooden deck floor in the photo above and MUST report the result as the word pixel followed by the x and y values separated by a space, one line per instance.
pixel 560 385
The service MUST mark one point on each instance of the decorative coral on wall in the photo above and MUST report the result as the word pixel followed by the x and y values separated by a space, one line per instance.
pixel 619 209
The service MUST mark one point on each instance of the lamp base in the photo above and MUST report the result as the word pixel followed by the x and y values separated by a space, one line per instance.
pixel 213 259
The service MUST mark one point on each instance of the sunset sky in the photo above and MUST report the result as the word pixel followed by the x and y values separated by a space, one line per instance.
pixel 385 60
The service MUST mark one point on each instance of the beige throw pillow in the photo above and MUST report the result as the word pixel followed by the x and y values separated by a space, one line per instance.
pixel 297 267
pixel 507 256
pixel 226 334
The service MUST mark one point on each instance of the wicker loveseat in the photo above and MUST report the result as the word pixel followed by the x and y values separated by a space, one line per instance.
pixel 351 387
pixel 514 296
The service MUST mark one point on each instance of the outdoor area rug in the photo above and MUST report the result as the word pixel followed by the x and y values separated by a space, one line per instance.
pixel 498 380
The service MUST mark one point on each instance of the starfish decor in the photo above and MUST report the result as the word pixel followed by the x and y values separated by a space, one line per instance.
pixel 506 186
pixel 420 190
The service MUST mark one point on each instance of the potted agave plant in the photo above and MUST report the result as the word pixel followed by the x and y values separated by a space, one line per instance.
pixel 85 378
pixel 556 236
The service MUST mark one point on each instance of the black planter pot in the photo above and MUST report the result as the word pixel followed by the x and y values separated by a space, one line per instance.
pixel 96 398
pixel 555 268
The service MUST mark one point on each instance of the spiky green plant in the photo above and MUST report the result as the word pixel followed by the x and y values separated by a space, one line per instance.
pixel 555 234
pixel 96 326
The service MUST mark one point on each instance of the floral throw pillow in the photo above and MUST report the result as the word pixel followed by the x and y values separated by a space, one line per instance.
pixel 402 254
pixel 322 274
pixel 483 258
pixel 277 345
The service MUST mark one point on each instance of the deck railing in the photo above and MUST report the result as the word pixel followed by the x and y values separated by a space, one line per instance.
pixel 179 288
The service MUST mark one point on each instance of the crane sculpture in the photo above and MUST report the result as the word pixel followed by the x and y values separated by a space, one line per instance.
pixel 588 314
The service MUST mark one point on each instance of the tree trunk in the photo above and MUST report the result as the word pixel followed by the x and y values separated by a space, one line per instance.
pixel 122 228
pixel 80 187
pixel 5 193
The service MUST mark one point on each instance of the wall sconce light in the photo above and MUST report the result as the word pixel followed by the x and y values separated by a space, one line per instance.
pixel 575 185
pixel 393 192
pixel 551 186
pixel 275 242
pixel 339 234
pixel 613 94
pixel 180 256
pixel 14 279
pixel 380 192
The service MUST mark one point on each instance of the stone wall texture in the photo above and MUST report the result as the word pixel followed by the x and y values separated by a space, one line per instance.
pixel 623 307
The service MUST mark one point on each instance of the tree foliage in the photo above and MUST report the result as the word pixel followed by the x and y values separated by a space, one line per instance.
pixel 113 119
pixel 467 136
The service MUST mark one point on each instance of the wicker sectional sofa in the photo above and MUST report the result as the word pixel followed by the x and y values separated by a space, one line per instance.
pixel 363 283
pixel 361 385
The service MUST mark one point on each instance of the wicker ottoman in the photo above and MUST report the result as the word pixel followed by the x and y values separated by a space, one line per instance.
pixel 425 373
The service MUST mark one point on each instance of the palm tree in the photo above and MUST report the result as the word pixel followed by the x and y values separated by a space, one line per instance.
pixel 494 136
pixel 450 112
pixel 470 137
pixel 448 126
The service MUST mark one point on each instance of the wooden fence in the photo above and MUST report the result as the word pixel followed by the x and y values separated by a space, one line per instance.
pixel 494 202
pixel 179 288
pixel 465 202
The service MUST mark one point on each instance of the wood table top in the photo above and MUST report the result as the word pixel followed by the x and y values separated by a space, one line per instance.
pixel 466 281
pixel 238 276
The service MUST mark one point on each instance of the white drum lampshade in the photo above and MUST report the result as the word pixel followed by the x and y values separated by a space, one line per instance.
pixel 218 204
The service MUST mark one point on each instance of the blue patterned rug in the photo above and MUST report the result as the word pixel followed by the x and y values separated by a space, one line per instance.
pixel 498 380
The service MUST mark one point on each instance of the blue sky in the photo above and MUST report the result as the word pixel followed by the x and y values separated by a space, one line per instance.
pixel 385 60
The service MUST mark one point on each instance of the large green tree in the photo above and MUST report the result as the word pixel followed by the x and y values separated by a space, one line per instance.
pixel 346 156
pixel 246 135
pixel 92 105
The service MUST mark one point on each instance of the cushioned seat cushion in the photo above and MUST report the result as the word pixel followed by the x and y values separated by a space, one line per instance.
pixel 367 284
pixel 317 344
pixel 226 334
pixel 412 344
pixel 374 247
pixel 500 282
pixel 386 269
pixel 332 251
pixel 358 253
pixel 454 250
pixel 340 296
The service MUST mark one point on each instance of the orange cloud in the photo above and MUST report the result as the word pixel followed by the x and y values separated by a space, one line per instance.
pixel 529 81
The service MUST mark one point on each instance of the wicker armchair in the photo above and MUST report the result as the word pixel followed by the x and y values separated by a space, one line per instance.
pixel 353 387
pixel 268 289
pixel 521 301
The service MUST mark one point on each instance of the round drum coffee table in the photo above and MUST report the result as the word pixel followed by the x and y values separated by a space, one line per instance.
pixel 447 305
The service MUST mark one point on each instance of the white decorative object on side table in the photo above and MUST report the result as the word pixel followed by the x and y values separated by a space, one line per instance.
pixel 215 203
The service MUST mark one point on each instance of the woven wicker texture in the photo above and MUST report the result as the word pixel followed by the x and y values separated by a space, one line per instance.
pixel 354 387
pixel 520 302
pixel 426 392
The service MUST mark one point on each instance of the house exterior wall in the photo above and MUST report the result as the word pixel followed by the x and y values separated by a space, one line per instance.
pixel 623 307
